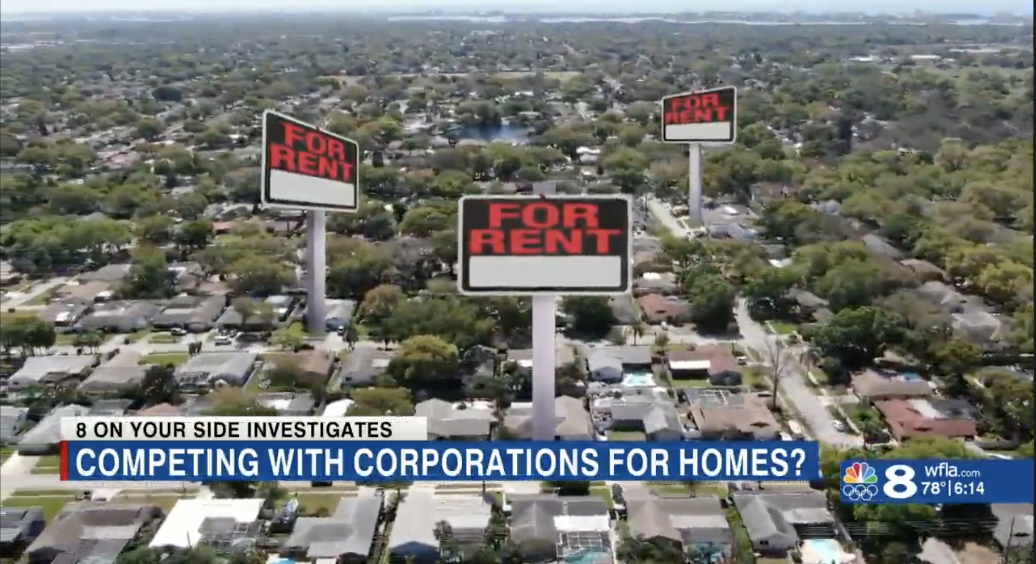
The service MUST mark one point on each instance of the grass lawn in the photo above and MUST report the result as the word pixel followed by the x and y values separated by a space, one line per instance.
pixel 782 327
pixel 43 299
pixel 47 464
pixel 691 383
pixel 164 339
pixel 65 339
pixel 626 436
pixel 51 505
pixel 743 552
pixel 174 358
pixel 137 335
pixel 605 494
pixel 166 502
pixel 38 493
pixel 312 502
pixel 669 487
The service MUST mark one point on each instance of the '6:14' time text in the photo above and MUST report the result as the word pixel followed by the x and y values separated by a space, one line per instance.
pixel 952 488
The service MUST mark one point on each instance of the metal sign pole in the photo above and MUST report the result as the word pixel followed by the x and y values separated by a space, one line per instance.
pixel 316 274
pixel 694 171
pixel 544 333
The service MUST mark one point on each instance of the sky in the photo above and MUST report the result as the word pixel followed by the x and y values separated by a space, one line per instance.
pixel 540 6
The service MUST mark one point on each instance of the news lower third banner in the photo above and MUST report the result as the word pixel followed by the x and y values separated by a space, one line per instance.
pixel 436 461
pixel 937 481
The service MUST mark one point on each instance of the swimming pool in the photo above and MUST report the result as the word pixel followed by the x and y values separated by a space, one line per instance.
pixel 911 376
pixel 586 557
pixel 821 551
pixel 637 379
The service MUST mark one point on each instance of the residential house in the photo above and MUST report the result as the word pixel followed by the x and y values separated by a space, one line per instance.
pixel 19 527
pixel 872 386
pixel 928 417
pixel 91 532
pixel 362 365
pixel 288 404
pixel 64 315
pixel 110 274
pixel 456 421
pixel 12 422
pixel 195 522
pixel 658 309
pixel 697 525
pixel 415 534
pixel 122 372
pixel 777 521
pixel 310 367
pixel 345 537
pixel 208 369
pixel 648 414
pixel 611 363
pixel 549 528
pixel 280 306
pixel 654 282
pixel 809 305
pixel 944 295
pixel 119 317
pixel 573 420
pixel 563 355
pixel 46 370
pixel 979 326
pixel 339 314
pixel 1013 525
pixel 716 363
pixel 722 415
pixel 191 313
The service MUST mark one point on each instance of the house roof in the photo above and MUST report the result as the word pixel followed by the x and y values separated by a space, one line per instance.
pixel 870 384
pixel 350 530
pixel 15 520
pixel 657 307
pixel 114 314
pixel 913 418
pixel 686 520
pixel 563 354
pixel 573 418
pixel 94 530
pixel 235 365
pixel 615 357
pixel 121 371
pixel 744 413
pixel 767 515
pixel 447 419
pixel 1014 526
pixel 422 509
pixel 109 273
pixel 314 361
pixel 364 363
pixel 40 368
pixel 184 310
pixel 185 525
pixel 48 431
pixel 718 357
pixel 537 517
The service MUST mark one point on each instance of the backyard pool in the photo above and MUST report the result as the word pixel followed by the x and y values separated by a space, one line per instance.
pixel 638 379
pixel 911 376
pixel 587 557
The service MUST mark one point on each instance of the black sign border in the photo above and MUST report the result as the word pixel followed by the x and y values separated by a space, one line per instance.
pixel 463 257
pixel 264 191
pixel 728 140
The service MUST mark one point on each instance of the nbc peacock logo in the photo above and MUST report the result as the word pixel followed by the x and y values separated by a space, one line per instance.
pixel 859 482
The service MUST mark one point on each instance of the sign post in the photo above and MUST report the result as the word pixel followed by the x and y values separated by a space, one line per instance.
pixel 544 246
pixel 694 119
pixel 307 168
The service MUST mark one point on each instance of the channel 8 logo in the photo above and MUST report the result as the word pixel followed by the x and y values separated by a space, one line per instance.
pixel 861 483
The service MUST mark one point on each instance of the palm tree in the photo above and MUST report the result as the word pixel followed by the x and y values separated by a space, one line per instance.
pixel 636 331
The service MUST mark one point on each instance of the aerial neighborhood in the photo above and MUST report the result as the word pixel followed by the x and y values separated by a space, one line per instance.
pixel 862 277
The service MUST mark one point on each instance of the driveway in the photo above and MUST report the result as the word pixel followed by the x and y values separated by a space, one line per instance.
pixel 15 299
pixel 794 388
pixel 666 218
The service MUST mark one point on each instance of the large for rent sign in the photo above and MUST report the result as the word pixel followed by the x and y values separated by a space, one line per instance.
pixel 706 116
pixel 547 245
pixel 305 167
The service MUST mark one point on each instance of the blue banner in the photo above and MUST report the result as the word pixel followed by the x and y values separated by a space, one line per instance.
pixel 438 461
pixel 937 481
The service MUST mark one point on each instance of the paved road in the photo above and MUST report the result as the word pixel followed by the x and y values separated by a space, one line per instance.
pixel 15 299
pixel 794 387
pixel 665 217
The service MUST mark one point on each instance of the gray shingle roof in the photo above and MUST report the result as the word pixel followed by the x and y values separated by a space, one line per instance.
pixel 349 531
pixel 97 531
pixel 688 520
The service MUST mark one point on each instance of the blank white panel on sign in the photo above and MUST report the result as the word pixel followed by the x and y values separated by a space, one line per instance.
pixel 698 131
pixel 535 272
pixel 314 190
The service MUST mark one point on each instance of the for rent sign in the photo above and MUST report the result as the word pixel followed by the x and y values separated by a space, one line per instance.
pixel 549 245
pixel 707 116
pixel 305 167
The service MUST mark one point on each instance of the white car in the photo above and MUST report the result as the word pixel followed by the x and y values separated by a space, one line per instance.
pixel 224 339
pixel 839 426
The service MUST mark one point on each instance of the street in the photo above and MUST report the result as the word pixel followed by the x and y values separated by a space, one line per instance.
pixel 794 387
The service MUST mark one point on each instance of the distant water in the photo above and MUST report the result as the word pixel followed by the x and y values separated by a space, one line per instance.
pixel 506 132
pixel 633 20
